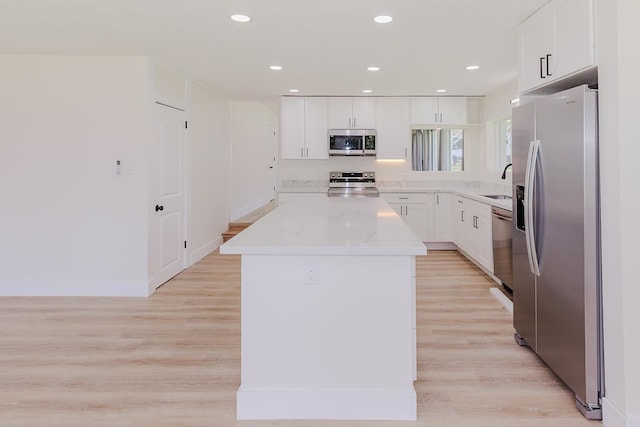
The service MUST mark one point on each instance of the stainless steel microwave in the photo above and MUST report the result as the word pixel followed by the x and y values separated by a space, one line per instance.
pixel 352 142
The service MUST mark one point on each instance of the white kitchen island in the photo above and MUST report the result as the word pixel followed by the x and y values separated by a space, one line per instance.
pixel 328 312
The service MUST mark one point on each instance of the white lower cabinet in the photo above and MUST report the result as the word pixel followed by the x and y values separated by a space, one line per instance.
pixel 443 218
pixel 415 209
pixel 472 234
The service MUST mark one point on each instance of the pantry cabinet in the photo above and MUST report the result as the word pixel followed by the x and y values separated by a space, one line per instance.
pixel 393 127
pixel 303 128
pixel 554 42
pixel 352 113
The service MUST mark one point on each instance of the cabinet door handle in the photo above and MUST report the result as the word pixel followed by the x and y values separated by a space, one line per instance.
pixel 462 216
pixel 548 56
pixel 406 153
pixel 301 151
pixel 354 122
pixel 350 122
pixel 437 199
pixel 436 117
pixel 406 210
pixel 542 67
pixel 403 198
pixel 440 117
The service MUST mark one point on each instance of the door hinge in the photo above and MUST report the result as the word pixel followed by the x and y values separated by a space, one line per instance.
pixel 185 124
pixel 185 244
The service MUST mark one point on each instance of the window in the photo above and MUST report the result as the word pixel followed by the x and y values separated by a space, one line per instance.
pixel 503 136
pixel 437 150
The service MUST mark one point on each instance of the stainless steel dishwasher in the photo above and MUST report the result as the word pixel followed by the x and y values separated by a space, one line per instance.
pixel 501 220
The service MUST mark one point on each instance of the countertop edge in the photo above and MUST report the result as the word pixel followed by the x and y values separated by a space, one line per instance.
pixel 500 203
pixel 325 251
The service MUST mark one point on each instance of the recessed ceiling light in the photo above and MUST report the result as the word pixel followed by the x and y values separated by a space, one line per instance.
pixel 367 91
pixel 240 18
pixel 294 90
pixel 472 67
pixel 383 19
pixel 373 68
pixel 441 90
pixel 276 67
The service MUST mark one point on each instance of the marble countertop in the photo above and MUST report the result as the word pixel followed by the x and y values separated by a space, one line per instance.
pixel 328 226
pixel 304 186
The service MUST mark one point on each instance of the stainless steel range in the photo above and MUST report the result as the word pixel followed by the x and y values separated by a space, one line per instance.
pixel 352 184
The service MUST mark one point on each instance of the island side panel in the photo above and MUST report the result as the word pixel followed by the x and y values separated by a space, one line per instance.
pixel 341 347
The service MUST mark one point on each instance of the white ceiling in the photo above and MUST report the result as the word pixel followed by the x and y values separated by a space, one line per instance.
pixel 324 45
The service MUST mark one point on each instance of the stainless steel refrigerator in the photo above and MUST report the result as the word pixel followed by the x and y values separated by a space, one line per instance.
pixel 556 245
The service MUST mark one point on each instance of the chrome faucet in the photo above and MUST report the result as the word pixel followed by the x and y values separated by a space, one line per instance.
pixel 504 172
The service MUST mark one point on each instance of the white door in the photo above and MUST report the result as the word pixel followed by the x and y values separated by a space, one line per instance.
pixel 167 202
pixel 271 164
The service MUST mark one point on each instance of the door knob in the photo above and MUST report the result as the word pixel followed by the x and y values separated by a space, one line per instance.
pixel 159 208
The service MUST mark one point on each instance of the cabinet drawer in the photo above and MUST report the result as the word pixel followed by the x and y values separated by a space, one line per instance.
pixel 404 197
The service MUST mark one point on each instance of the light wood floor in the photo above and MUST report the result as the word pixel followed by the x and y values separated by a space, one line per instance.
pixel 173 359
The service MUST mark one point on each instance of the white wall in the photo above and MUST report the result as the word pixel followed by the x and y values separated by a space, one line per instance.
pixel 70 225
pixel 209 159
pixel 497 104
pixel 253 144
pixel 497 107
pixel 618 57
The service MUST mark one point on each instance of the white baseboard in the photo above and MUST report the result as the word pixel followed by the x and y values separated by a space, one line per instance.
pixel 75 288
pixel 239 213
pixel 203 251
pixel 481 267
pixel 613 417
pixel 326 404
pixel 441 246
pixel 502 299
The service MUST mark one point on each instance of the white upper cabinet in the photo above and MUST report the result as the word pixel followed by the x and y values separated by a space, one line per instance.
pixel 554 42
pixel 316 135
pixel 352 113
pixel 427 110
pixel 292 128
pixel 303 128
pixel 393 127
pixel 574 37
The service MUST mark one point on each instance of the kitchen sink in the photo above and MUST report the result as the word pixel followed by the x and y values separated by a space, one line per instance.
pixel 496 196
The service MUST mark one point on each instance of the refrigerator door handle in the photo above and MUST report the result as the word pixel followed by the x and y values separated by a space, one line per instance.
pixel 526 204
pixel 530 235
